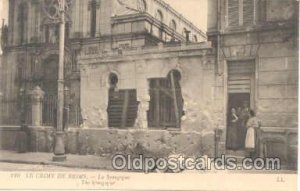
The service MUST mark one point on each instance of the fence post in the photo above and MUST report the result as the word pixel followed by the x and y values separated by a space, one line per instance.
pixel 37 97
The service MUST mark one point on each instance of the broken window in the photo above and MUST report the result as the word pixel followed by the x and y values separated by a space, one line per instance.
pixel 166 102
pixel 122 105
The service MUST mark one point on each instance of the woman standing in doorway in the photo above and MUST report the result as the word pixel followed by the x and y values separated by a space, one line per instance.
pixel 232 135
pixel 242 130
pixel 251 140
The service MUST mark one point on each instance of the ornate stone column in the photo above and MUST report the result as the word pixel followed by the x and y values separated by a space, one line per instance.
pixel 142 95
pixel 141 121
pixel 37 97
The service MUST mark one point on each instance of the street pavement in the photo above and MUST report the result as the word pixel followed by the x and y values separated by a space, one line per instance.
pixel 11 160
pixel 38 167
pixel 73 161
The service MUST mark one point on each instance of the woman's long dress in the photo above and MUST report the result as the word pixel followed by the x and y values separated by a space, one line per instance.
pixel 252 126
pixel 232 134
pixel 242 128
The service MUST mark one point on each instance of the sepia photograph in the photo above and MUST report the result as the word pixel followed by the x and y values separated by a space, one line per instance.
pixel 149 95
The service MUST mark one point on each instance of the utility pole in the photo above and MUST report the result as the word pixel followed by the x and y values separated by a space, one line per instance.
pixel 59 150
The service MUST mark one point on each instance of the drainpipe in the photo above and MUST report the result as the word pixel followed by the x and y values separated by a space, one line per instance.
pixel 218 132
pixel 218 36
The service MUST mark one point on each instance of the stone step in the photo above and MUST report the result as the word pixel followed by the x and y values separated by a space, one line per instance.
pixel 241 153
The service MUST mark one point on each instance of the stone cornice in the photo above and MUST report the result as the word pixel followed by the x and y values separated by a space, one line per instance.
pixel 268 26
pixel 157 52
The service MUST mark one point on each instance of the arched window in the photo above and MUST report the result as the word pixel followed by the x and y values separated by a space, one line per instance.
pixel 184 31
pixel 173 25
pixel 22 22
pixel 142 6
pixel 159 16
pixel 93 24
pixel 195 38
pixel 113 81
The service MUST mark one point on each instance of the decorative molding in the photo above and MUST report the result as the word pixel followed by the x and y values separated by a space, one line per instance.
pixel 242 51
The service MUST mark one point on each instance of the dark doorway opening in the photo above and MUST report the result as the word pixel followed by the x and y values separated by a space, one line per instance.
pixel 241 92
pixel 238 108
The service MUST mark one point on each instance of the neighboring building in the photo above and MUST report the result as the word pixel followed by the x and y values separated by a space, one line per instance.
pixel 31 48
pixel 257 59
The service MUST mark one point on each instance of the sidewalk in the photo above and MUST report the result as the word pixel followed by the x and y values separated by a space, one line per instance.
pixel 73 161
pixel 97 162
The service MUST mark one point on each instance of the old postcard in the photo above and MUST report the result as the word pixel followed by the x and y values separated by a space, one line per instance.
pixel 149 94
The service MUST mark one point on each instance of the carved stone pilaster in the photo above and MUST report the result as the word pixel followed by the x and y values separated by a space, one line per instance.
pixel 141 121
pixel 37 97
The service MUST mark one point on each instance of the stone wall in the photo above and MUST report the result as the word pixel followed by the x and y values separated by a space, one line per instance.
pixel 40 139
pixel 100 142
pixel 155 143
pixel 134 68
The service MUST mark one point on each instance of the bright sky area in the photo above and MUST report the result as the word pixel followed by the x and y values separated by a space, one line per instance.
pixel 193 10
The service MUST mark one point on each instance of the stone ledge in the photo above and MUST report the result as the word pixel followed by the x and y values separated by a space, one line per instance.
pixel 279 129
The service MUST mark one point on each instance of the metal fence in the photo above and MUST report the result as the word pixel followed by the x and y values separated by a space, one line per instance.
pixel 11 111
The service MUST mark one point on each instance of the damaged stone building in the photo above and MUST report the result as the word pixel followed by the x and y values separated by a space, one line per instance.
pixel 32 43
pixel 143 79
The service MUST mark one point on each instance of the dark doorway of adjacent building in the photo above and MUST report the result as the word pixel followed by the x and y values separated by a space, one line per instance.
pixel 241 93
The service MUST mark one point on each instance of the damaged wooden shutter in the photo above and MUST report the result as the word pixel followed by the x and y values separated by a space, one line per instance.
pixel 233 12
pixel 240 75
pixel 122 108
pixel 166 103
pixel 248 12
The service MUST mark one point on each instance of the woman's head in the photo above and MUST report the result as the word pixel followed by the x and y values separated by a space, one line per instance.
pixel 233 110
pixel 252 113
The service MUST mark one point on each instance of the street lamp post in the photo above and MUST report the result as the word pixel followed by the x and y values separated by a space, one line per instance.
pixel 59 150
